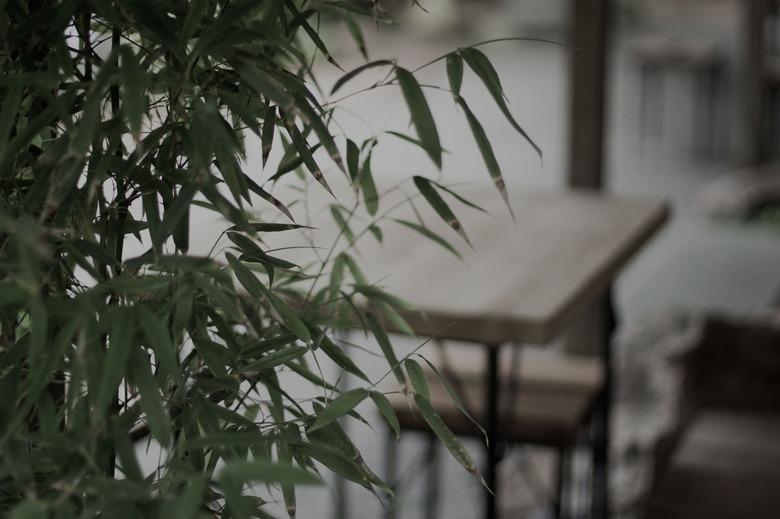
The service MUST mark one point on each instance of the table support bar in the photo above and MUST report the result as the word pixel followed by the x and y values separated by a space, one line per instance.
pixel 491 496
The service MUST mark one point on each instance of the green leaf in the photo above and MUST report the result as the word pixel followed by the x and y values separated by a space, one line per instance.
pixel 29 510
pixel 268 197
pixel 267 472
pixel 151 402
pixel 120 338
pixel 336 274
pixel 439 205
pixel 397 323
pixel 335 353
pixel 337 408
pixel 273 227
pixel 370 195
pixel 430 235
pixel 482 67
pixel 421 114
pixel 255 253
pixel 253 286
pixel 177 211
pixel 446 436
pixel 352 73
pixel 454 396
pixel 8 111
pixel 354 30
pixel 267 136
pixel 133 89
pixel 353 158
pixel 335 211
pixel 387 348
pixel 384 406
pixel 284 455
pixel 486 150
pixel 189 501
pixel 302 147
pixel 377 294
pixel 139 285
pixel 417 378
pixel 276 358
pixel 455 72
pixel 354 269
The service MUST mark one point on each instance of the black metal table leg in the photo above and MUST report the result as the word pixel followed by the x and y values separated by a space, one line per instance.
pixel 491 427
pixel 601 416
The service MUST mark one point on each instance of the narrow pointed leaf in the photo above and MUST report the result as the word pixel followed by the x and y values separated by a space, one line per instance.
pixel 342 405
pixel 439 205
pixel 417 378
pixel 430 235
pixel 370 195
pixel 352 73
pixel 253 286
pixel 486 150
pixel 446 436
pixel 454 396
pixel 384 406
pixel 387 348
pixel 455 72
pixel 151 402
pixel 267 134
pixel 482 67
pixel 421 114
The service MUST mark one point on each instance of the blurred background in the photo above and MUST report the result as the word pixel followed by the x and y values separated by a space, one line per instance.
pixel 670 98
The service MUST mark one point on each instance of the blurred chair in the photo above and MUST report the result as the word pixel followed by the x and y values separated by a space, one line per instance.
pixel 726 463
pixel 545 399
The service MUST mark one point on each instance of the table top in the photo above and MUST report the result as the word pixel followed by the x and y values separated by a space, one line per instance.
pixel 523 281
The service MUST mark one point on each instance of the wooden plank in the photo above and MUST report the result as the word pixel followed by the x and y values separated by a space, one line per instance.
pixel 523 281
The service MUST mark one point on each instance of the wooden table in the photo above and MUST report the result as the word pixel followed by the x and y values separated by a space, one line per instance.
pixel 523 282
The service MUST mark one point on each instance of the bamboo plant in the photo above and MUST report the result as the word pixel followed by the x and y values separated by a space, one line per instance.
pixel 121 119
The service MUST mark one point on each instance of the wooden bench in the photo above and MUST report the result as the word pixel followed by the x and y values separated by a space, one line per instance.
pixel 543 399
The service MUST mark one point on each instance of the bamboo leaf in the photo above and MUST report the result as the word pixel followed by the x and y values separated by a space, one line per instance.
pixel 386 347
pixel 421 114
pixel 113 369
pixel 486 150
pixel 335 211
pixel 454 397
pixel 383 404
pixel 338 407
pixel 276 358
pixel 446 436
pixel 352 73
pixel 335 353
pixel 455 72
pixel 439 205
pixel 134 89
pixel 370 195
pixel 267 134
pixel 430 235
pixel 151 402
pixel 353 157
pixel 253 286
pixel 267 472
pixel 417 378
pixel 482 67
pixel 29 510
pixel 159 338
pixel 305 153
